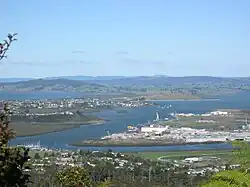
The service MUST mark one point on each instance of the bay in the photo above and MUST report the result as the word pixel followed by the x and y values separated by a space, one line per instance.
pixel 118 123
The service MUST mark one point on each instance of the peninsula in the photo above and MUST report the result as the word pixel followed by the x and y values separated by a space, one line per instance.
pixel 31 125
pixel 33 117
pixel 219 126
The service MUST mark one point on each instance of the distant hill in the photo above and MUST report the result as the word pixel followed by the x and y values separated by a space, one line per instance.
pixel 100 81
pixel 2 80
pixel 52 85
pixel 164 80
pixel 137 80
pixel 92 77
pixel 182 85
pixel 81 78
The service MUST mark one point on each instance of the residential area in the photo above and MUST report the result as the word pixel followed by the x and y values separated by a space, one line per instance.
pixel 59 106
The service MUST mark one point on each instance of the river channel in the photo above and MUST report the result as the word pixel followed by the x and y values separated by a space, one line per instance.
pixel 118 122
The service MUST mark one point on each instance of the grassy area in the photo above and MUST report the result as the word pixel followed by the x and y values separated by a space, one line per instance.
pixel 35 125
pixel 166 96
pixel 179 154
pixel 219 122
pixel 28 129
pixel 33 152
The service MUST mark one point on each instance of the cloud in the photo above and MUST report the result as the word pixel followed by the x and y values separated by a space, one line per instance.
pixel 78 51
pixel 121 53
pixel 143 62
pixel 28 62
pixel 130 60
pixel 170 53
pixel 46 63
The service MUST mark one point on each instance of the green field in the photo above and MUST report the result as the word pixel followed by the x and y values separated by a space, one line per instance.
pixel 220 122
pixel 179 154
pixel 33 152
pixel 29 125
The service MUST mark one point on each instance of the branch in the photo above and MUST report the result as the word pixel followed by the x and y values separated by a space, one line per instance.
pixel 4 47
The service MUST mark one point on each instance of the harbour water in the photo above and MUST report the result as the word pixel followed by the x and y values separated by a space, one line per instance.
pixel 118 123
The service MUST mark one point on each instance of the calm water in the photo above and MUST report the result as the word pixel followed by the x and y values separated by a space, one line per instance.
pixel 118 123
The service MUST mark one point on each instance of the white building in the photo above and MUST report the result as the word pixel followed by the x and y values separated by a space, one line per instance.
pixel 152 129
pixel 219 113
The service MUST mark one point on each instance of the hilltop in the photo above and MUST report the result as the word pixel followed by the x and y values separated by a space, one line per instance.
pixel 146 80
pixel 166 80
pixel 52 85
pixel 152 87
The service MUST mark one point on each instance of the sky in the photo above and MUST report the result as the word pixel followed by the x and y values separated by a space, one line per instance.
pixel 128 38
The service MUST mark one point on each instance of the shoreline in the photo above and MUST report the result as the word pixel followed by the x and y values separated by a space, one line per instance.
pixel 92 122
pixel 100 143
pixel 182 100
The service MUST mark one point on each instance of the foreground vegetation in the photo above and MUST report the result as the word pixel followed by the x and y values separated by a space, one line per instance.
pixel 138 171
pixel 184 154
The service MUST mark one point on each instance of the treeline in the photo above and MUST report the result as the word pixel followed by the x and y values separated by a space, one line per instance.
pixel 107 176
pixel 123 177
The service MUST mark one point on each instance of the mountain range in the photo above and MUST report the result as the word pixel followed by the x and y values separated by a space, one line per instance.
pixel 82 78
pixel 170 87
pixel 121 81
pixel 138 80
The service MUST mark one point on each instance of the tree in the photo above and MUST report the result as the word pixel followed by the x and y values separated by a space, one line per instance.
pixel 106 183
pixel 74 177
pixel 46 154
pixel 234 178
pixel 229 178
pixel 12 159
pixel 241 154
pixel 5 45
pixel 37 156
pixel 52 154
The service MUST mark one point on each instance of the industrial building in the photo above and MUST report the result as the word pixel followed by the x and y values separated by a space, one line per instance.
pixel 154 129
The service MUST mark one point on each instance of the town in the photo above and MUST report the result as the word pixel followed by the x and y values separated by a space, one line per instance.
pixel 196 165
pixel 53 107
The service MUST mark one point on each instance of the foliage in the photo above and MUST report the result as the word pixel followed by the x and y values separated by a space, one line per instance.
pixel 5 45
pixel 241 154
pixel 37 156
pixel 12 159
pixel 234 178
pixel 74 177
pixel 229 178
pixel 106 183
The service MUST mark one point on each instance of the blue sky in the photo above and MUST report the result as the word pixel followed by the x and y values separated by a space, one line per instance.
pixel 132 37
